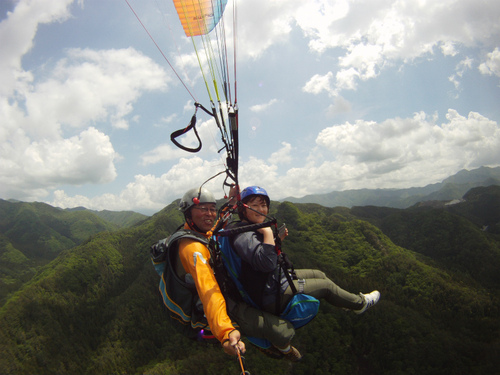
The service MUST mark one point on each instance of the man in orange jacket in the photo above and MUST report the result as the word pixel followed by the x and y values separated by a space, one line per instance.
pixel 198 206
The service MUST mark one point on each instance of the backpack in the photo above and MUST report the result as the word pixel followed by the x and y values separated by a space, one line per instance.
pixel 180 296
pixel 301 309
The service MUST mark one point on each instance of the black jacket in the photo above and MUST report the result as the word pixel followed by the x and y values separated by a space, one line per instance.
pixel 259 267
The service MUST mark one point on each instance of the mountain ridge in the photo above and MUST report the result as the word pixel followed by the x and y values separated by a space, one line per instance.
pixel 453 187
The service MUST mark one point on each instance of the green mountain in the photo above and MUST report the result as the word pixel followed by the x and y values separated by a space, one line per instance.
pixel 461 237
pixel 33 234
pixel 95 309
pixel 122 219
pixel 453 187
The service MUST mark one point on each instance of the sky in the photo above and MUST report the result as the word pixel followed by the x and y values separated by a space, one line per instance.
pixel 333 95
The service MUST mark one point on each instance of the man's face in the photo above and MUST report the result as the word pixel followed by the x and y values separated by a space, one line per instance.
pixel 203 216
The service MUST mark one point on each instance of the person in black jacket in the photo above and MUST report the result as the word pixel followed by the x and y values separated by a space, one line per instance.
pixel 259 269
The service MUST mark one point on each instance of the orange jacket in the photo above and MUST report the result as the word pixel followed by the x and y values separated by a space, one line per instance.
pixel 195 258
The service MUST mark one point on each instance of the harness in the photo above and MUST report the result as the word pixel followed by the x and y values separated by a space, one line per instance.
pixel 300 310
pixel 179 295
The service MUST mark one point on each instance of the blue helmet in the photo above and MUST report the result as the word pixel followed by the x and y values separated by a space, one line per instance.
pixel 252 191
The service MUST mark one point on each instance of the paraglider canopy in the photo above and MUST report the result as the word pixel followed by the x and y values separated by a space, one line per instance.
pixel 199 17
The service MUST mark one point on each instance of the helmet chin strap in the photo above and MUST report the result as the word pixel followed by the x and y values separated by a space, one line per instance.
pixel 244 205
pixel 193 226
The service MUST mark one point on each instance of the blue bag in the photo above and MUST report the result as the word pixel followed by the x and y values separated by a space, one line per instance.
pixel 301 310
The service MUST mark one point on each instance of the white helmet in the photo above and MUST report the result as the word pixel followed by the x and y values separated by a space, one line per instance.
pixel 196 196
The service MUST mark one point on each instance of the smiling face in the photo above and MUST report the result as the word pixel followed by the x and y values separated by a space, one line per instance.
pixel 257 211
pixel 203 216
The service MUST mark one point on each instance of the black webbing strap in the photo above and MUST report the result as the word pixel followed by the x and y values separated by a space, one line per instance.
pixel 192 125
pixel 245 228
pixel 283 266
pixel 232 155
pixel 178 133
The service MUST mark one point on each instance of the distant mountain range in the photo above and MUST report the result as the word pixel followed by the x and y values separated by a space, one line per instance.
pixel 122 219
pixel 453 187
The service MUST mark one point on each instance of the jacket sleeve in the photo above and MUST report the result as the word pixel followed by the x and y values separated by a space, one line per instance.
pixel 195 257
pixel 261 256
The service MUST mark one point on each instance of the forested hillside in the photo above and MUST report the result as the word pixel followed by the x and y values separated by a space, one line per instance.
pixel 95 309
pixel 462 237
pixel 33 234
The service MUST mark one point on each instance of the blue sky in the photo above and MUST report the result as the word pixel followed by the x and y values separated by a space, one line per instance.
pixel 333 95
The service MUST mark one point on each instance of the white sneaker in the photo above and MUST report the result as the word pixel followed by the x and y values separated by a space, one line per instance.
pixel 293 355
pixel 370 300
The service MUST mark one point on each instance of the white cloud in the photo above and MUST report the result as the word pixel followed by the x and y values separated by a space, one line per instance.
pixel 365 59
pixel 148 192
pixel 267 23
pixel 463 66
pixel 460 69
pixel 85 87
pixel 29 168
pixel 263 107
pixel 187 66
pixel 87 158
pixel 48 135
pixel 346 79
pixel 259 172
pixel 283 155
pixel 17 32
pixel 399 152
pixel 448 48
pixel 492 64
pixel 90 86
pixel 161 153
pixel 315 18
pixel 395 153
pixel 340 105
pixel 169 119
pixel 415 150
pixel 319 83
pixel 376 34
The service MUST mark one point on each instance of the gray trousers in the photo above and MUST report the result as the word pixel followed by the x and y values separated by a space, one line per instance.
pixel 321 287
pixel 280 332
pixel 258 323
